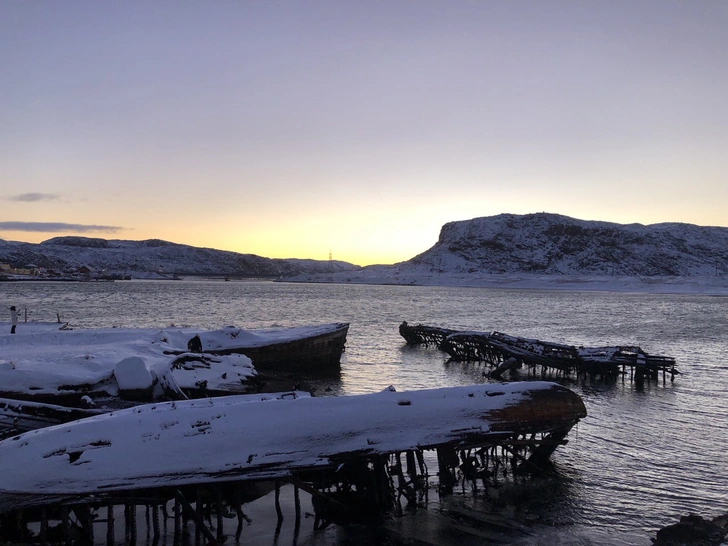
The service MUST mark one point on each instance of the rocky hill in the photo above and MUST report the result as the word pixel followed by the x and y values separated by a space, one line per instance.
pixel 554 244
pixel 151 256
pixel 550 251
pixel 543 245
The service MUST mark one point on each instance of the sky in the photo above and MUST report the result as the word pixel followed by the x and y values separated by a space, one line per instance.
pixel 356 130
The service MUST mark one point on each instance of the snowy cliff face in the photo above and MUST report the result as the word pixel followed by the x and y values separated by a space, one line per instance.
pixel 553 244
pixel 154 255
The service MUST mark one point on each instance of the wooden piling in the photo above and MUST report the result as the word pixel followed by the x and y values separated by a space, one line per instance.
pixel 109 524
pixel 279 512
pixel 155 522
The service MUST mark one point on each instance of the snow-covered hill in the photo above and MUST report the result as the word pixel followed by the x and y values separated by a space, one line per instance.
pixel 553 251
pixel 138 258
pixel 508 250
pixel 555 244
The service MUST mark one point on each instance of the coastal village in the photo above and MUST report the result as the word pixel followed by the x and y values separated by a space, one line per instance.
pixel 34 272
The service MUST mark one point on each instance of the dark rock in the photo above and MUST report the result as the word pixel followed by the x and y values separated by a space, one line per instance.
pixel 692 531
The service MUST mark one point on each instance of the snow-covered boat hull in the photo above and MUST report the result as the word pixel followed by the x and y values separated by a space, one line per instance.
pixel 316 354
pixel 175 444
pixel 47 365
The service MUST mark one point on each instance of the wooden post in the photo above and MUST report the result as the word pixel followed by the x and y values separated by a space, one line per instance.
pixel 411 466
pixel 83 514
pixel 199 519
pixel 109 524
pixel 421 463
pixel 133 525
pixel 155 522
pixel 65 525
pixel 43 526
pixel 279 512
pixel 199 523
pixel 177 521
pixel 218 499
pixel 445 457
pixel 127 534
pixel 297 504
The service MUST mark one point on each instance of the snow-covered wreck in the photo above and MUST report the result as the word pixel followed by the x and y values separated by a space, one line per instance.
pixel 43 363
pixel 167 451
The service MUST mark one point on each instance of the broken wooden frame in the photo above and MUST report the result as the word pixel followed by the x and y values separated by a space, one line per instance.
pixel 503 352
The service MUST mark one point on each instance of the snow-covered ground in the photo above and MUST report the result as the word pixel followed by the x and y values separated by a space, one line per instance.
pixel 395 274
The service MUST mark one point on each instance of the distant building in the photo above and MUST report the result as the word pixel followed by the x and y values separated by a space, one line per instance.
pixel 86 270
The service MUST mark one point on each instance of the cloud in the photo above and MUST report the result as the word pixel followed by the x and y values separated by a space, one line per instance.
pixel 56 227
pixel 32 197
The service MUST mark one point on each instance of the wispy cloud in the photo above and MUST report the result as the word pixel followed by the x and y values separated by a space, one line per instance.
pixel 56 227
pixel 32 197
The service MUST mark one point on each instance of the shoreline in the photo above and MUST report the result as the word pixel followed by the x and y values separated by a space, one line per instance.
pixel 705 286
pixel 679 285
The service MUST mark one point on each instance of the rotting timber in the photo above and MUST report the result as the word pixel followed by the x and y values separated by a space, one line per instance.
pixel 198 460
pixel 502 352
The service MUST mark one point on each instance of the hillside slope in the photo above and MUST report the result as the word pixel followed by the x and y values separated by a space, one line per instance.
pixel 153 255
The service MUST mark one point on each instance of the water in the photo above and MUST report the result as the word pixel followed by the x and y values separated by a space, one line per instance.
pixel 641 459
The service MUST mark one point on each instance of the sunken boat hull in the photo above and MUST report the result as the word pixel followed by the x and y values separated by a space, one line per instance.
pixel 233 439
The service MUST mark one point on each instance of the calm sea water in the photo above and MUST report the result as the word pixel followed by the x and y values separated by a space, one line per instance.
pixel 643 456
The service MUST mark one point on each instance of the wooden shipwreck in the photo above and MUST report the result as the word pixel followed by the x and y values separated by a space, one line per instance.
pixel 502 352
pixel 345 451
pixel 60 367
pixel 310 352
pixel 60 376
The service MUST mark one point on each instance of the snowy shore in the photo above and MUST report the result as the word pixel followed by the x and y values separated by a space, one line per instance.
pixel 697 285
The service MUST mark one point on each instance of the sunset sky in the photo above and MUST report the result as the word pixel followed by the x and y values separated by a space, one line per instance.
pixel 298 128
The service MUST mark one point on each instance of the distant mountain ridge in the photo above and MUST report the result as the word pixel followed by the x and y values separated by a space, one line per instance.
pixel 543 244
pixel 154 255
pixel 553 244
